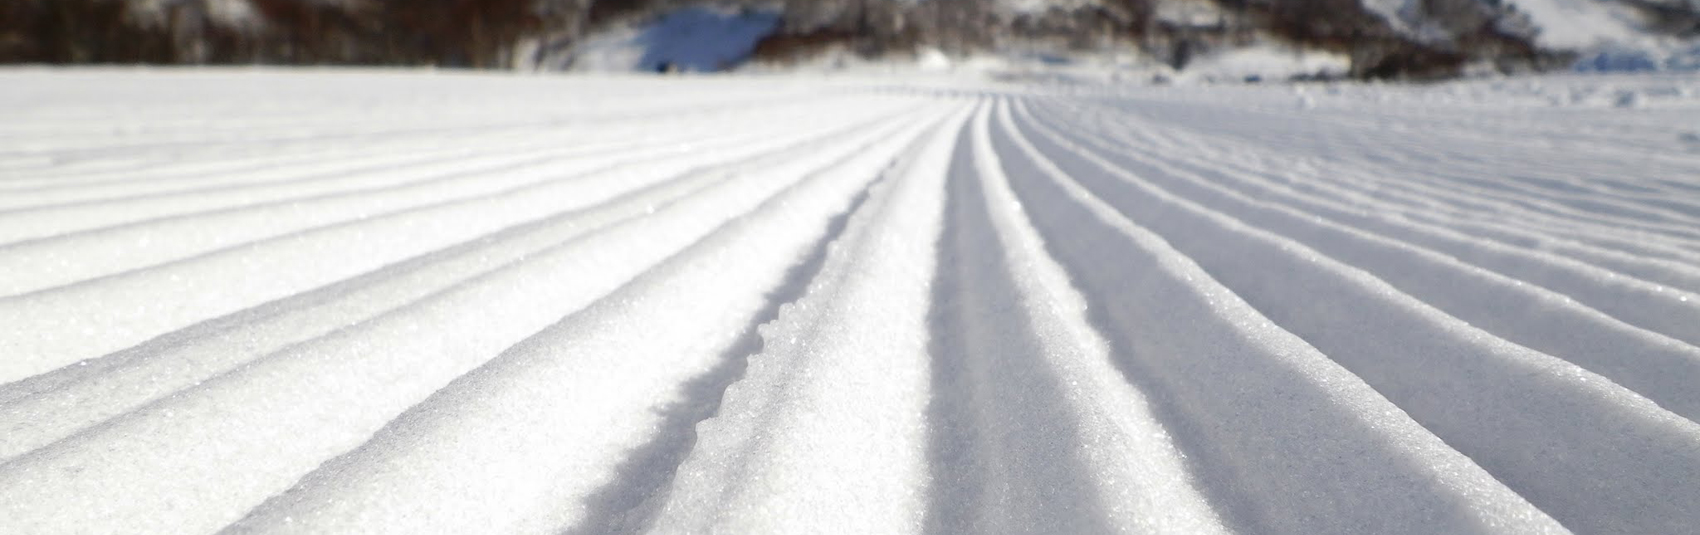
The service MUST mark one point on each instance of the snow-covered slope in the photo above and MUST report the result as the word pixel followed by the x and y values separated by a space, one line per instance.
pixel 310 302
pixel 1605 35
pixel 1421 39
pixel 700 39
pixel 1609 35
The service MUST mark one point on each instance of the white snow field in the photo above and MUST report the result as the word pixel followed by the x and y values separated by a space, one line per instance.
pixel 271 301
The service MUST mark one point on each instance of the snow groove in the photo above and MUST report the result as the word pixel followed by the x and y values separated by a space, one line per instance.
pixel 364 302
pixel 1491 399
pixel 1654 365
pixel 1020 378
pixel 261 271
pixel 1301 184
pixel 839 390
pixel 1207 349
pixel 302 390
pixel 571 379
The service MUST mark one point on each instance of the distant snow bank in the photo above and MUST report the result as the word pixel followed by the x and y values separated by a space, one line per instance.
pixel 1642 60
pixel 1271 63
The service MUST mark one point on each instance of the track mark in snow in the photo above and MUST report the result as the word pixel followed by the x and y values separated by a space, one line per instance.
pixel 826 430
pixel 1033 430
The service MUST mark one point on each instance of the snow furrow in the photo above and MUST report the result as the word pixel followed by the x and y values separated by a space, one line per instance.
pixel 224 170
pixel 826 431
pixel 272 260
pixel 1034 431
pixel 60 260
pixel 1298 186
pixel 1474 207
pixel 1531 420
pixel 139 198
pixel 1291 462
pixel 556 412
pixel 331 393
pixel 211 170
pixel 182 358
pixel 1370 178
pixel 1413 172
pixel 276 268
pixel 1479 179
pixel 48 221
pixel 1656 366
pixel 384 301
pixel 1549 158
pixel 320 169
pixel 1567 175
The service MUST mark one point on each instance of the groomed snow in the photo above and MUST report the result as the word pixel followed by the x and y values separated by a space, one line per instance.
pixel 265 301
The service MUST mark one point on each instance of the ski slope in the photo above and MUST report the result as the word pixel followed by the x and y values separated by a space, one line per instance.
pixel 365 302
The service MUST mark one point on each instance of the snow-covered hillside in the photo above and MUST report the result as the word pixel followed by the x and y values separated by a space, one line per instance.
pixel 694 39
pixel 1608 35
pixel 365 302
pixel 1372 39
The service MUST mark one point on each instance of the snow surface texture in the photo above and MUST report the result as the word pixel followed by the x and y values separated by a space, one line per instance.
pixel 308 302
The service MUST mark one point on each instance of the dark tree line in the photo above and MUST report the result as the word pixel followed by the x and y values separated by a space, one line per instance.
pixel 469 33
pixel 77 31
pixel 490 33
